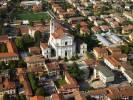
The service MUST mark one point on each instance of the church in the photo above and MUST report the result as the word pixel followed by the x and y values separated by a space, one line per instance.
pixel 61 43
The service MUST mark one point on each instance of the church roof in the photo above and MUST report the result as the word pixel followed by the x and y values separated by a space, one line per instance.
pixel 60 32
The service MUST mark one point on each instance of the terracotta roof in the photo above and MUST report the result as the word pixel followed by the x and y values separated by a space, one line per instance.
pixel 37 98
pixel 24 29
pixel 84 29
pixel 44 45
pixel 82 23
pixel 12 51
pixel 35 69
pixel 113 92
pixel 26 85
pixel 105 27
pixel 4 38
pixel 35 50
pixel 52 66
pixel 56 96
pixel 96 29
pixel 115 50
pixel 7 85
pixel 70 79
pixel 128 28
pixel 100 50
pixel 60 33
pixel 119 56
pixel 113 61
pixel 21 71
pixel 79 96
pixel 34 58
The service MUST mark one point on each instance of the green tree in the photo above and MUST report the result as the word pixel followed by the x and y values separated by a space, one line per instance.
pixel 37 37
pixel 40 92
pixel 12 64
pixel 76 72
pixel 3 48
pixel 21 63
pixel 33 81
pixel 27 41
pixel 6 97
pixel 19 43
pixel 3 65
pixel 22 97
pixel 125 49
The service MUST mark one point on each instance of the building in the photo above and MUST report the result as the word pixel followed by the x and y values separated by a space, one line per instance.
pixel 11 53
pixel 56 96
pixel 83 49
pixel 127 71
pixel 70 87
pixel 111 62
pixel 113 93
pixel 114 50
pixel 53 69
pixel 103 40
pixel 100 52
pixel 22 75
pixel 37 98
pixel 9 87
pixel 61 41
pixel 131 36
pixel 104 74
pixel 128 15
pixel 35 60
pixel 127 29
pixel 31 4
pixel 34 50
pixel 46 50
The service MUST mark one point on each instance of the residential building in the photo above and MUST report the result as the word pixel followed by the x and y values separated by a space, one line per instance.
pixel 46 50
pixel 56 96
pixel 111 62
pixel 53 69
pixel 83 49
pixel 37 98
pixel 100 52
pixel 34 50
pixel 104 74
pixel 127 29
pixel 35 60
pixel 113 93
pixel 9 87
pixel 70 87
pixel 128 15
pixel 11 53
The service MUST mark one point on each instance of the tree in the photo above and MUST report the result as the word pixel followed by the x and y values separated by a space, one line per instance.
pixel 3 65
pixel 40 92
pixel 33 81
pixel 21 63
pixel 27 41
pixel 19 44
pixel 37 37
pixel 6 97
pixel 125 49
pixel 22 97
pixel 76 72
pixel 12 64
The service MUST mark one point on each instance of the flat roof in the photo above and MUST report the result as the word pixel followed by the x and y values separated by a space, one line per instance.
pixel 105 71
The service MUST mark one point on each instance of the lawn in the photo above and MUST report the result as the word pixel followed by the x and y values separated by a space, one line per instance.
pixel 31 16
